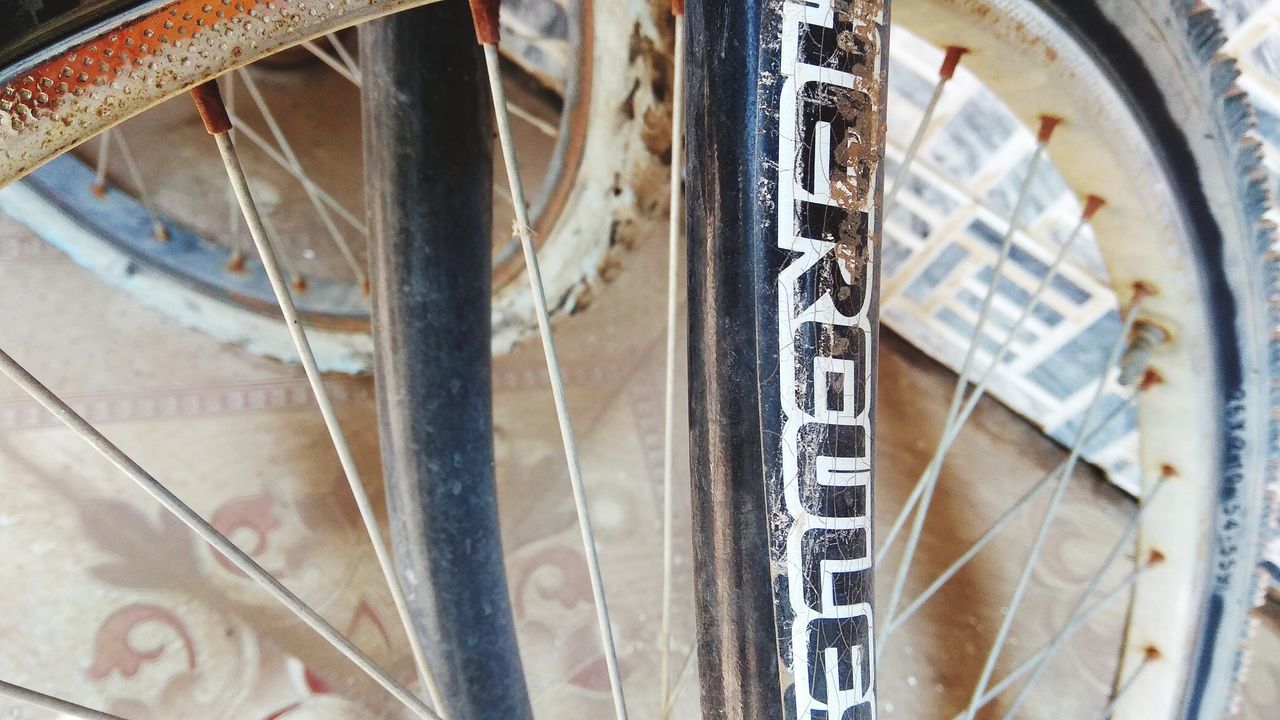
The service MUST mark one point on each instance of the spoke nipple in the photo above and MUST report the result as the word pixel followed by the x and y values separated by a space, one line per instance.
pixel 212 110
pixel 951 60
pixel 1150 653
pixel 1092 204
pixel 299 283
pixel 1143 290
pixel 99 190
pixel 236 264
pixel 1048 123
pixel 1150 379
pixel 484 15
pixel 1155 557
pixel 159 232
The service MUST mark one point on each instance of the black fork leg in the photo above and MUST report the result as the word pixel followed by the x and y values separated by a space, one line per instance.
pixel 428 169
pixel 786 108
pixel 737 640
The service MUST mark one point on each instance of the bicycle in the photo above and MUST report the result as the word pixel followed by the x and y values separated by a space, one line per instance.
pixel 763 232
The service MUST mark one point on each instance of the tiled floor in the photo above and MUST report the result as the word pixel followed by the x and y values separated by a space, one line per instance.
pixel 112 604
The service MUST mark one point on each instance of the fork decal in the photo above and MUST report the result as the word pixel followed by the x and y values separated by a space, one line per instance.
pixel 829 148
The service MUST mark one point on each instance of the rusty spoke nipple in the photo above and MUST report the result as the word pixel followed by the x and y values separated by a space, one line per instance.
pixel 211 108
pixel 484 15
pixel 951 61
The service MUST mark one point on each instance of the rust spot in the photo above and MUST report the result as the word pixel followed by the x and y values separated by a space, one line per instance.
pixel 236 264
pixel 1092 204
pixel 1150 653
pixel 1150 379
pixel 212 110
pixel 1168 471
pixel 1155 557
pixel 108 56
pixel 484 15
pixel 1048 123
pixel 99 190
pixel 300 283
pixel 1143 290
pixel 951 60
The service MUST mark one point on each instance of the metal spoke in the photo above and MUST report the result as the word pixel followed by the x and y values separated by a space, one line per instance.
pixel 928 482
pixel 685 671
pixel 347 59
pixel 332 62
pixel 99 187
pixel 538 123
pixel 1121 543
pixel 209 104
pixel 252 136
pixel 945 73
pixel 207 532
pixel 1059 491
pixel 673 300
pixel 502 193
pixel 51 703
pixel 1149 656
pixel 238 247
pixel 952 429
pixel 485 13
pixel 158 230
pixel 301 175
pixel 346 66
pixel 1003 521
pixel 1073 624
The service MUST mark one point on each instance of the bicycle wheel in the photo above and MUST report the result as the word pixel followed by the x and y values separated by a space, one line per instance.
pixel 1137 106
pixel 784 320
pixel 107 203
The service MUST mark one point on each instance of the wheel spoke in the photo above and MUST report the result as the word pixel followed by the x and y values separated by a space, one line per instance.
pixel 1037 545
pixel 485 13
pixel 1111 557
pixel 234 219
pixel 339 67
pixel 99 187
pixel 1084 617
pixel 949 62
pixel 1149 656
pixel 929 480
pixel 209 103
pixel 51 703
pixel 303 178
pixel 998 525
pixel 158 230
pixel 252 136
pixel 952 430
pixel 686 667
pixel 673 300
pixel 247 565
pixel 538 123
pixel 341 49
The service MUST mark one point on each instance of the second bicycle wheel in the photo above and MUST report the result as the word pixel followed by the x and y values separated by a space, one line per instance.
pixel 594 132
